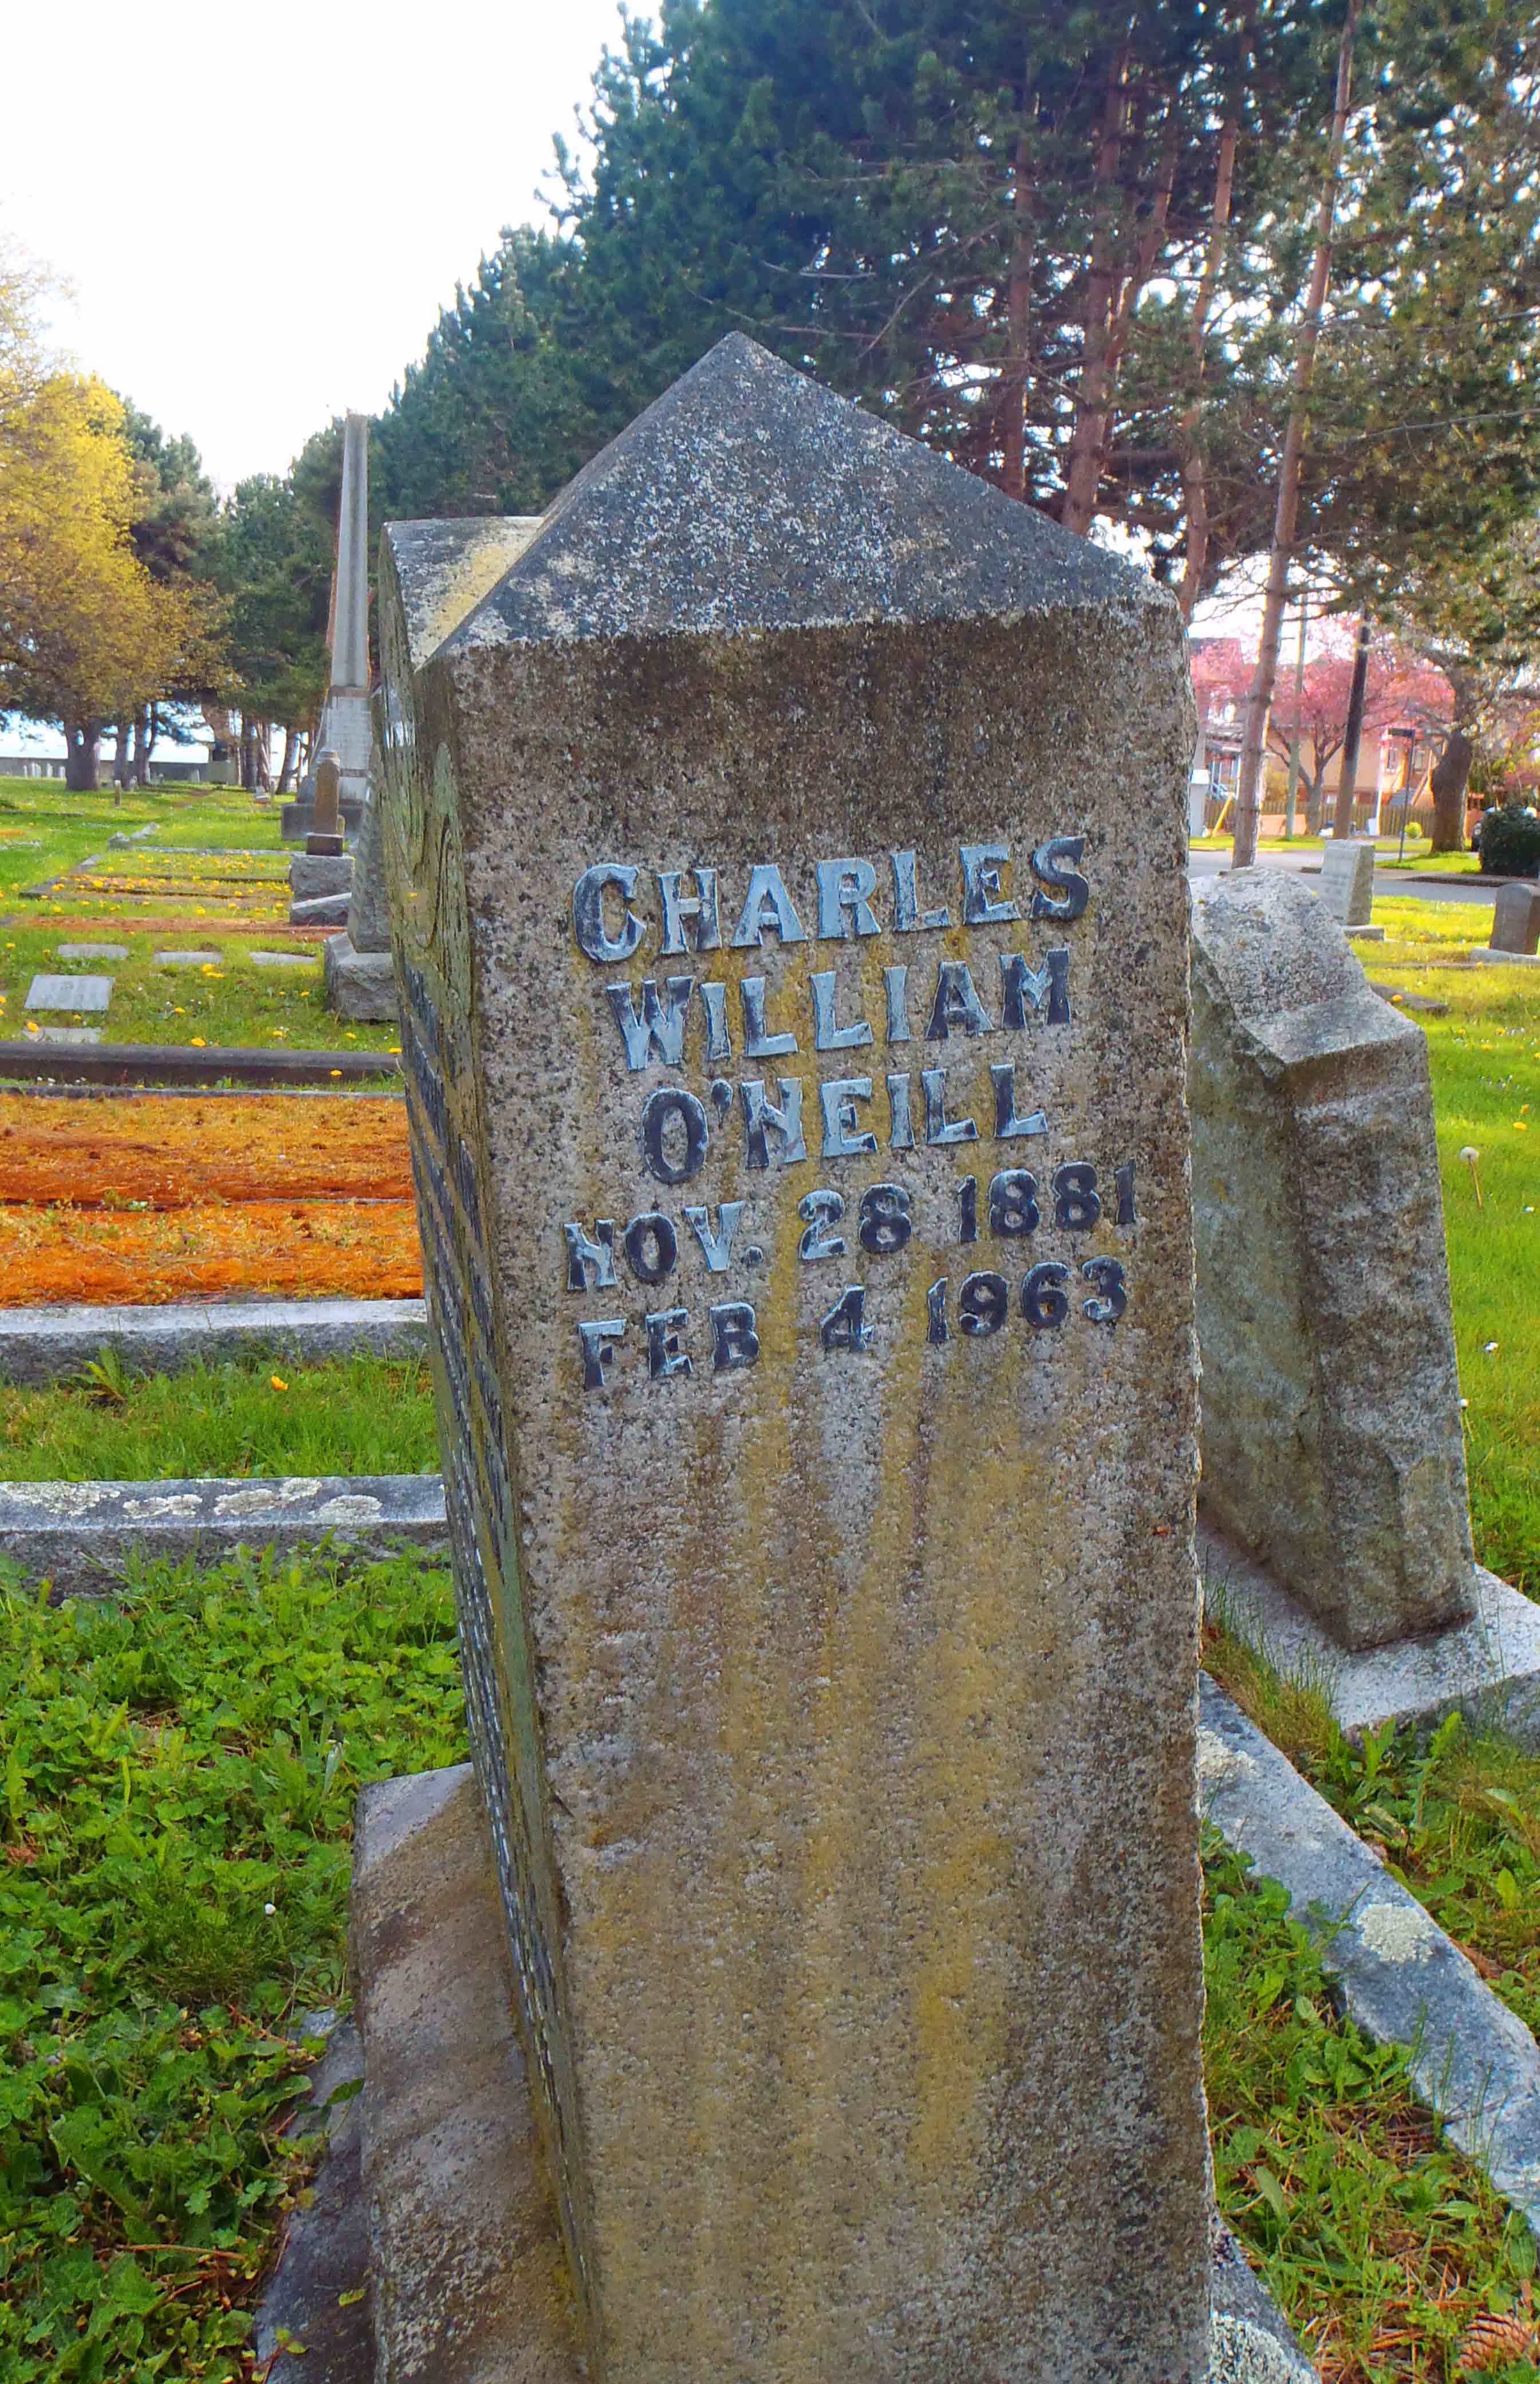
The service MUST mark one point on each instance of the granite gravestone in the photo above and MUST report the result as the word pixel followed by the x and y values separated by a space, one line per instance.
pixel 345 716
pixel 788 875
pixel 1347 883
pixel 1331 1439
pixel 1516 920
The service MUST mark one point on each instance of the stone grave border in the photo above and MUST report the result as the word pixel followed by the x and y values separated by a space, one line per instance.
pixel 157 1064
pixel 49 1345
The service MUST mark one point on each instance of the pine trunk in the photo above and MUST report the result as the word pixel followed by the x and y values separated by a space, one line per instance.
pixel 1260 701
pixel 1194 478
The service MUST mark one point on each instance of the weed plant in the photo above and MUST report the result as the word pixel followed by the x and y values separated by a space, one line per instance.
pixel 260 1415
pixel 1454 1817
pixel 1379 2241
pixel 179 1771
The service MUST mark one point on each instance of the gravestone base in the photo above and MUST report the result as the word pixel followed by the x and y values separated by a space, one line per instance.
pixel 359 984
pixel 466 2269
pixel 313 873
pixel 324 846
pixel 321 911
pixel 1360 935
pixel 297 820
pixel 1488 1665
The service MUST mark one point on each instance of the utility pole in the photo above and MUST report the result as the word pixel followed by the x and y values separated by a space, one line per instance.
pixel 1347 766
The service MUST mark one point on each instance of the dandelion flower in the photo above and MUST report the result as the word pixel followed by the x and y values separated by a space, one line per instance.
pixel 278 1381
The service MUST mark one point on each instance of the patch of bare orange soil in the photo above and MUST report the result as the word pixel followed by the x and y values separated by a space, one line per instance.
pixel 160 1200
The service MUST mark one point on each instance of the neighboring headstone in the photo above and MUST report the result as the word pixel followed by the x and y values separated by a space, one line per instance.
pixel 360 975
pixel 787 864
pixel 326 835
pixel 319 910
pixel 187 960
pixel 1348 889
pixel 1515 919
pixel 1331 1440
pixel 93 951
pixel 80 993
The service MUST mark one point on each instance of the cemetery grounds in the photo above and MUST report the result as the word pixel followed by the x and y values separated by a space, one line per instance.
pixel 181 1765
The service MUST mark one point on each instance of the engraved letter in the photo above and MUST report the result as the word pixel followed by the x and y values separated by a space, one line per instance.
pixel 908 918
pixel 936 1309
pixel 757 1043
pixel 581 1254
pixel 1009 1127
pixel 956 1004
pixel 596 1339
pixel 1124 1178
pixel 938 1127
pixel 734 1340
pixel 765 884
pixel 656 1025
pixel 842 1136
pixel 894 982
pixel 657 1110
pixel 700 906
pixel 717 1245
pixel 819 1210
pixel 651 1245
pixel 787 1122
pixel 901 1131
pixel 1065 881
pixel 1049 984
pixel 826 1036
pixel 664 1353
pixel 844 887
pixel 588 912
pixel 981 868
pixel 718 1045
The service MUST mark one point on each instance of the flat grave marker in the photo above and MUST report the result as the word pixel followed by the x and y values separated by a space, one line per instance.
pixel 93 951
pixel 77 993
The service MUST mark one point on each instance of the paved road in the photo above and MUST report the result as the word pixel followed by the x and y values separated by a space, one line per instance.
pixel 1386 881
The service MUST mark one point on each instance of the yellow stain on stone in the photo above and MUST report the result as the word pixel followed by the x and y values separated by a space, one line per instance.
pixel 461 586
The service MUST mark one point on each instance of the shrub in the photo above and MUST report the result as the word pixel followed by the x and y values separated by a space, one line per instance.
pixel 1510 843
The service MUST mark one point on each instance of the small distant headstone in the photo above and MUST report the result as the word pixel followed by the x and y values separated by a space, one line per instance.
pixel 1347 883
pixel 787 875
pixel 78 993
pixel 69 1034
pixel 1331 1439
pixel 326 836
pixel 281 959
pixel 1516 920
pixel 187 960
pixel 93 951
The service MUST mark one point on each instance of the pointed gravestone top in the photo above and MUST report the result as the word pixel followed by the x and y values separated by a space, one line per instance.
pixel 748 498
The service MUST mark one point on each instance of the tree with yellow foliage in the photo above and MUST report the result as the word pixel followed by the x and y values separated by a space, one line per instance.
pixel 86 634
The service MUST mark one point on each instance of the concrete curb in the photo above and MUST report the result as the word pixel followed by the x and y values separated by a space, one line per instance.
pixel 48 1345
pixel 1400 1977
pixel 76 1534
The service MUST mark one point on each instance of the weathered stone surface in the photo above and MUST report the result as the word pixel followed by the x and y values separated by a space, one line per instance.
pixel 319 910
pixel 469 2282
pixel 359 984
pixel 317 873
pixel 1515 919
pixel 1332 1442
pixel 832 1701
pixel 459 2208
pixel 47 1344
pixel 1347 883
pixel 319 2294
pixel 1401 1978
pixel 1487 1667
pixel 82 993
pixel 77 1533
pixel 369 912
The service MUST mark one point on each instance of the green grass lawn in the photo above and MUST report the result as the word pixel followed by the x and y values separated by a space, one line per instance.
pixel 1485 1063
pixel 45 829
pixel 261 1416
pixel 179 1774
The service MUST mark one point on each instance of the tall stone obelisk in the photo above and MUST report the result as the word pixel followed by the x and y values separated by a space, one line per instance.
pixel 345 725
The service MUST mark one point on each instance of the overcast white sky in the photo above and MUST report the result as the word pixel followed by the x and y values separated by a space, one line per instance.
pixel 261 207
